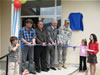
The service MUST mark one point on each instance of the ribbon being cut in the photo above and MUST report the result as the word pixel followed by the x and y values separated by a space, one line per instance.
pixel 74 47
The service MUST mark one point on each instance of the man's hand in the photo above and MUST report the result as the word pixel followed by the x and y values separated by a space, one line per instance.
pixel 58 43
pixel 49 44
pixel 54 44
pixel 34 43
pixel 29 43
pixel 62 43
pixel 67 44
pixel 44 43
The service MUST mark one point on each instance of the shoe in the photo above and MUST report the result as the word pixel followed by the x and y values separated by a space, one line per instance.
pixel 59 66
pixel 81 71
pixel 48 69
pixel 32 72
pixel 45 70
pixel 52 68
pixel 64 66
pixel 38 71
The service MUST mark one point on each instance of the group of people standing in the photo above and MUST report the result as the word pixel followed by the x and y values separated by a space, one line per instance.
pixel 43 55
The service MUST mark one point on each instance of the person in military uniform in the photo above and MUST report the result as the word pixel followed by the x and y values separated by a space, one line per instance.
pixel 63 38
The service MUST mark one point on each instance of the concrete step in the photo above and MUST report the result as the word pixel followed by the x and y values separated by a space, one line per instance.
pixel 2 67
pixel 72 69
pixel 80 73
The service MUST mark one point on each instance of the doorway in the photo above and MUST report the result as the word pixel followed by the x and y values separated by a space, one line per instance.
pixel 35 21
pixel 45 10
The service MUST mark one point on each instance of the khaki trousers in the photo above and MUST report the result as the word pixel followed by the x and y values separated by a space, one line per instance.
pixel 13 68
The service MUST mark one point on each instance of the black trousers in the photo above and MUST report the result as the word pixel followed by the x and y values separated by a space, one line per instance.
pixel 40 58
pixel 83 65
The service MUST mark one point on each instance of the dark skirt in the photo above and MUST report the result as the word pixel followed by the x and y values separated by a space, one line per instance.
pixel 92 58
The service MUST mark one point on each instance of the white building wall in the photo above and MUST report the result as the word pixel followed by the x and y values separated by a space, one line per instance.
pixel 91 20
pixel 0 27
pixel 5 25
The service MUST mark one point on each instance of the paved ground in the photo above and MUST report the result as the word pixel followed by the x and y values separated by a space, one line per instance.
pixel 69 70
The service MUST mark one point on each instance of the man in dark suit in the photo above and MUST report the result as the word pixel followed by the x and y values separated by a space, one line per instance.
pixel 40 51
pixel 52 39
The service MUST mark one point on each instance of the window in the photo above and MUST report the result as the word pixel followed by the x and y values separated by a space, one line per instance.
pixel 47 9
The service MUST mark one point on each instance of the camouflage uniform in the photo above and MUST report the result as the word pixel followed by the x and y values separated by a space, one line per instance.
pixel 64 36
